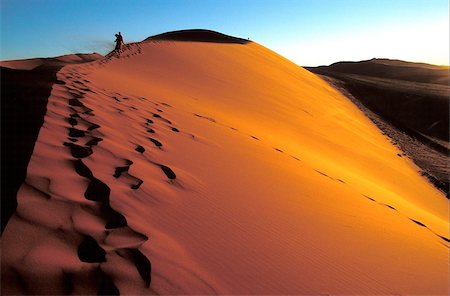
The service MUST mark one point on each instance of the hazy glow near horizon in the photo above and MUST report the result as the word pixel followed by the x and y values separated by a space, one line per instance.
pixel 417 43
pixel 309 32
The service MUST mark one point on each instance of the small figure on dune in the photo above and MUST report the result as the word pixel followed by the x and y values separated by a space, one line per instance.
pixel 119 43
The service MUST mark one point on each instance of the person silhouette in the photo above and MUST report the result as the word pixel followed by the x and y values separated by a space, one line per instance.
pixel 119 43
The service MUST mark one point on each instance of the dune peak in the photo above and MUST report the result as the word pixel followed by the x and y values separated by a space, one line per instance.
pixel 198 35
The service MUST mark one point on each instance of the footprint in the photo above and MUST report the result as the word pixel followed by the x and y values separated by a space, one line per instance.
pixel 94 141
pixel 423 225
pixel 162 118
pixel 143 265
pixel 93 126
pixel 150 131
pixel 76 103
pixel 119 170
pixel 175 129
pixel 72 121
pixel 418 223
pixel 321 173
pixel 204 117
pixel 415 221
pixel 444 238
pixel 107 286
pixel 156 142
pixel 76 133
pixel 140 149
pixel 89 251
pixel 168 171
pixel 391 207
pixel 139 183
pixel 369 198
pixel 75 93
pixel 97 191
pixel 82 169
pixel 115 219
pixel 78 151
pixel 88 112
pixel 75 114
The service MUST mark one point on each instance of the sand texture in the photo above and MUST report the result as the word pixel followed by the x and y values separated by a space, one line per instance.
pixel 217 168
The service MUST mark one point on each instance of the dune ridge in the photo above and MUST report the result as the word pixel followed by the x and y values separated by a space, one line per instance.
pixel 26 86
pixel 393 69
pixel 78 224
pixel 30 64
pixel 218 168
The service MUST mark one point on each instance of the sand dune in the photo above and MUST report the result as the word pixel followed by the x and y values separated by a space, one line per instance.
pixel 25 88
pixel 394 69
pixel 412 99
pixel 30 64
pixel 412 96
pixel 217 168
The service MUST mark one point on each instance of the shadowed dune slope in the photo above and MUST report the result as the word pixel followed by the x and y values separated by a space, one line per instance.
pixel 413 97
pixel 394 69
pixel 247 174
pixel 25 87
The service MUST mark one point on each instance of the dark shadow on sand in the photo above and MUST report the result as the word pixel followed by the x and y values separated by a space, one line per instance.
pixel 24 96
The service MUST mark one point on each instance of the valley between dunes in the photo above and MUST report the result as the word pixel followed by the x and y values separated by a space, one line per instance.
pixel 218 168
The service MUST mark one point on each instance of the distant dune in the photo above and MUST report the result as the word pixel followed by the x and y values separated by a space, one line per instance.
pixel 30 64
pixel 191 167
pixel 394 69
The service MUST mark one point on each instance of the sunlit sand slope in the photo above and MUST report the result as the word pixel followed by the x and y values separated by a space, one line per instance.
pixel 222 168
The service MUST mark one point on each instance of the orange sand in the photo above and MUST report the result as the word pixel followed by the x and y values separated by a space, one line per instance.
pixel 282 185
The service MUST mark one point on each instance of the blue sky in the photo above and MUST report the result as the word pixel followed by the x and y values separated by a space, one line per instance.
pixel 309 32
